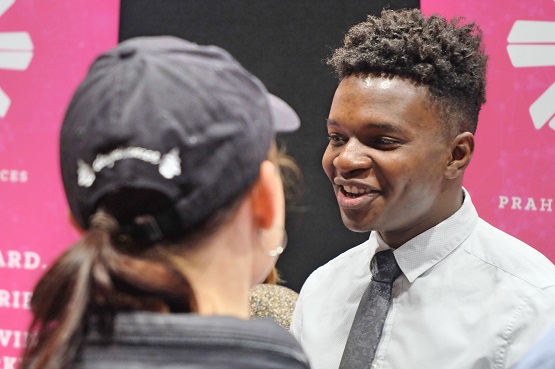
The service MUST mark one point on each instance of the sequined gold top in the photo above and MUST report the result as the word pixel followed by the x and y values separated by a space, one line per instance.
pixel 273 301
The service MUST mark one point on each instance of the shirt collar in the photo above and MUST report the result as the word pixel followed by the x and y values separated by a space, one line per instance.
pixel 421 253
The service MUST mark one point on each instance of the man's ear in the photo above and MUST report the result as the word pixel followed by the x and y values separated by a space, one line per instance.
pixel 462 148
pixel 263 195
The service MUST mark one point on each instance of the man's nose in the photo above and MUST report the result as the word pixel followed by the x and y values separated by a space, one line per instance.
pixel 353 157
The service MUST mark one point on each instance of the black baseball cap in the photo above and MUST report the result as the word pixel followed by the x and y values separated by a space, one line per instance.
pixel 164 114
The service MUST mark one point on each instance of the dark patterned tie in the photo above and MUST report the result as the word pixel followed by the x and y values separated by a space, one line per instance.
pixel 370 316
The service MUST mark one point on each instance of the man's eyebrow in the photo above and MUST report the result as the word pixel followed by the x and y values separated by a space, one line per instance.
pixel 384 126
pixel 331 122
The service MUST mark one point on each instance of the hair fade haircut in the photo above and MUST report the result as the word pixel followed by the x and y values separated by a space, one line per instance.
pixel 446 56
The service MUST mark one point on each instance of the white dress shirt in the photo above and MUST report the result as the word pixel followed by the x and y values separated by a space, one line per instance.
pixel 471 296
pixel 541 355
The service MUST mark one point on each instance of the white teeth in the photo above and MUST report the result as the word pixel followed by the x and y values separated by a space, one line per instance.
pixel 355 190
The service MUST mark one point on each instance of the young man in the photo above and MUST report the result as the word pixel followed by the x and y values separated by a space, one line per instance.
pixel 401 129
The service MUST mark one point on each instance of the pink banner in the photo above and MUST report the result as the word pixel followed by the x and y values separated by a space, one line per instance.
pixel 45 50
pixel 512 175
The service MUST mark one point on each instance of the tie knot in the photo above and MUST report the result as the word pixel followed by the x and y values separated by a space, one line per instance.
pixel 384 267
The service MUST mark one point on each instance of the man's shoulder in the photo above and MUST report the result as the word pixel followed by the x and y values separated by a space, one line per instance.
pixel 512 256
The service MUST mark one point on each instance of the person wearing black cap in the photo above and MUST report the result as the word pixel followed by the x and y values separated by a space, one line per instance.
pixel 170 167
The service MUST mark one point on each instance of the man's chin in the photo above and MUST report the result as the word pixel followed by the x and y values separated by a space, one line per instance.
pixel 354 225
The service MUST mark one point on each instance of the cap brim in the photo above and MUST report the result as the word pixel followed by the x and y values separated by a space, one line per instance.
pixel 284 117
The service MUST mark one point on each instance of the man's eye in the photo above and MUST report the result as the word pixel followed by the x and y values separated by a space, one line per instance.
pixel 385 143
pixel 335 139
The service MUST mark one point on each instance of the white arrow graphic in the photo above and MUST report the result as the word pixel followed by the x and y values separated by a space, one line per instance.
pixel 532 44
pixel 4 103
pixel 543 109
pixel 5 5
pixel 16 52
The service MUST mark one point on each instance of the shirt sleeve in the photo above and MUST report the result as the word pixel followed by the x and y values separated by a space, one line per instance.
pixel 542 354
pixel 531 321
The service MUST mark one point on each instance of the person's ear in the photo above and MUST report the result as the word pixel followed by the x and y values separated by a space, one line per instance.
pixel 462 148
pixel 265 194
pixel 74 223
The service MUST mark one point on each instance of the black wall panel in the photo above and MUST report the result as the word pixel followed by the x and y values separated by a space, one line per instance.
pixel 284 43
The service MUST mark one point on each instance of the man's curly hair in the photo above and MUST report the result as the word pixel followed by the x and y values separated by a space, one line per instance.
pixel 446 56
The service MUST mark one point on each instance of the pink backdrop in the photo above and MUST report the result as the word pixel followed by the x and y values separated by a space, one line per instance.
pixel 512 175
pixel 45 49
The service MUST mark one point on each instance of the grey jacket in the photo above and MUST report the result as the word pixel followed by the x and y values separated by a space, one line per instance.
pixel 186 341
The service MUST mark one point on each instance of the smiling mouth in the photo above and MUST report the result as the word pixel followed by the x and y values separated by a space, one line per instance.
pixel 354 192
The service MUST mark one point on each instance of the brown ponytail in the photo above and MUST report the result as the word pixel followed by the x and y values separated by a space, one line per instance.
pixel 59 303
pixel 95 277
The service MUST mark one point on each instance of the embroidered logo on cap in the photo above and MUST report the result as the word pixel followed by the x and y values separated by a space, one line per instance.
pixel 169 165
